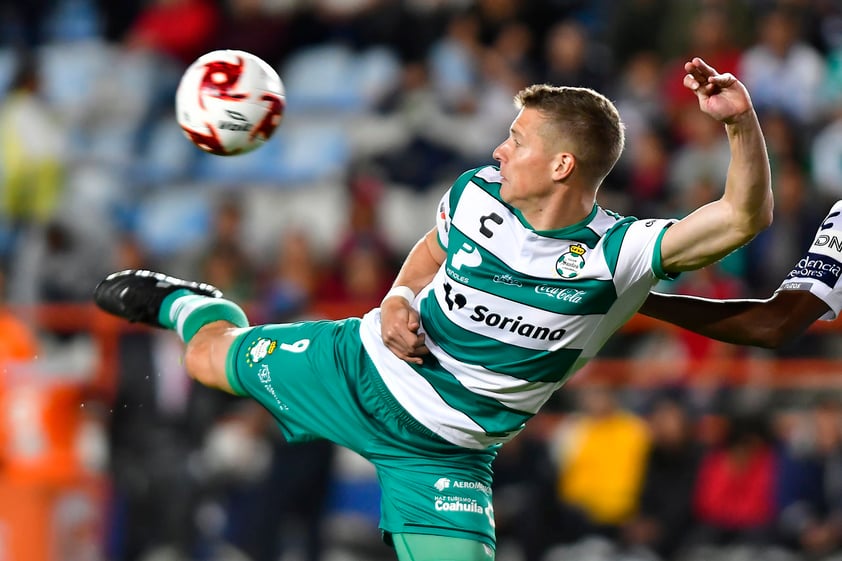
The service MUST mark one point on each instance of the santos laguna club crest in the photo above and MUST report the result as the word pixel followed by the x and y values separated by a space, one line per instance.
pixel 570 263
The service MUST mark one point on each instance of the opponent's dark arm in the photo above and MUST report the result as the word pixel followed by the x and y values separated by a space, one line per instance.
pixel 762 323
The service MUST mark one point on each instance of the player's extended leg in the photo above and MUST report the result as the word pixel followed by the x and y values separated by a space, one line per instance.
pixel 205 321
pixel 422 547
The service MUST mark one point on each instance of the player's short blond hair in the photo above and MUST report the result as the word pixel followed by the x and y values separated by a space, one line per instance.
pixel 584 119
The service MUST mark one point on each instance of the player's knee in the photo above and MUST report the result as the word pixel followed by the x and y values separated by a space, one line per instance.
pixel 205 357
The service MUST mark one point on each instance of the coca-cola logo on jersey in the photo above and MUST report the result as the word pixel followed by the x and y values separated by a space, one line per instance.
pixel 571 295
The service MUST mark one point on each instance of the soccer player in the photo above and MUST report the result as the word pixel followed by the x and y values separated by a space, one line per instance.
pixel 809 292
pixel 520 282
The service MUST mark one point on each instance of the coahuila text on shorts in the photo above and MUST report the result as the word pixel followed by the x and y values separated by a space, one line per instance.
pixel 458 506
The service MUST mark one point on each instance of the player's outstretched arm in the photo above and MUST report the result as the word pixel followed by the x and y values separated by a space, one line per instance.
pixel 811 291
pixel 399 320
pixel 762 323
pixel 745 208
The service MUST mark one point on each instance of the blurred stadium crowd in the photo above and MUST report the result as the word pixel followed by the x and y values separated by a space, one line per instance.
pixel 387 102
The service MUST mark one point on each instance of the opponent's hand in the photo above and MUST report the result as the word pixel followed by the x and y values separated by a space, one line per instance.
pixel 399 324
pixel 721 96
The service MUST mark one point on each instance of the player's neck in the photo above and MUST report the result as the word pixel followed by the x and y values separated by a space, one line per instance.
pixel 565 207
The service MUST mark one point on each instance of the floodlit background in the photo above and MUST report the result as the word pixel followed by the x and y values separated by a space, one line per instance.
pixel 669 447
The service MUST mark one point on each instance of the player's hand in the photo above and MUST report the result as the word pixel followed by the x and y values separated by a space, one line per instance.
pixel 721 96
pixel 399 324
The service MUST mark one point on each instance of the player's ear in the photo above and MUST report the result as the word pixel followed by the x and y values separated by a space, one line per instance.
pixel 563 165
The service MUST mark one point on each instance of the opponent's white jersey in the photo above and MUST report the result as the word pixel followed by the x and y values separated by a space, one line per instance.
pixel 820 270
pixel 512 313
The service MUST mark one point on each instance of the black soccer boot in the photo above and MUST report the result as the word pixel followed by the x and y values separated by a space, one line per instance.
pixel 137 294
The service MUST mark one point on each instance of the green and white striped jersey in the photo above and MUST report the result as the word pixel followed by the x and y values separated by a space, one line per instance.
pixel 512 313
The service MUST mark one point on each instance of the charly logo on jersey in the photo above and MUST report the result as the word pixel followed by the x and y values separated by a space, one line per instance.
pixel 571 262
pixel 484 226
pixel 260 349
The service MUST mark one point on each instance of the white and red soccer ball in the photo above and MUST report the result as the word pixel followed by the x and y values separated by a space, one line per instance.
pixel 229 102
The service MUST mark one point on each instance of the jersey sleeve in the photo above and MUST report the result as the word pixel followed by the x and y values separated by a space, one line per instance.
pixel 449 201
pixel 444 216
pixel 637 251
pixel 819 271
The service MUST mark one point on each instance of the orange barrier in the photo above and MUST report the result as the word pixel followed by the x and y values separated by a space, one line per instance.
pixel 45 522
pixel 51 504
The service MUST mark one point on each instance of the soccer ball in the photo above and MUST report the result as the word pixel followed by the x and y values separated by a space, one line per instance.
pixel 229 102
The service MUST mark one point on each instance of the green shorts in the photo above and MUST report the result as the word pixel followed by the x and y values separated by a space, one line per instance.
pixel 318 382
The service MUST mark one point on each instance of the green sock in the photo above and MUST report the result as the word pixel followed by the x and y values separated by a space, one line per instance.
pixel 186 312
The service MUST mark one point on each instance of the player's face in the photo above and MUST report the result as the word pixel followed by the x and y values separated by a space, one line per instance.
pixel 525 162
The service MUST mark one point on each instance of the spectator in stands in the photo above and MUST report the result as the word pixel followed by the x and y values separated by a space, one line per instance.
pixel 600 456
pixel 664 517
pixel 358 23
pixel 249 25
pixel 223 254
pixel 422 156
pixel 636 27
pixel 364 264
pixel 784 140
pixel 525 506
pixel 291 281
pixel 640 96
pixel 643 177
pixel 831 90
pixel 810 484
pixel 734 495
pixel 180 30
pixel 68 259
pixel 573 59
pixel 781 70
pixel 509 56
pixel 710 33
pixel 701 158
pixel 826 157
pixel 33 148
pixel 772 254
